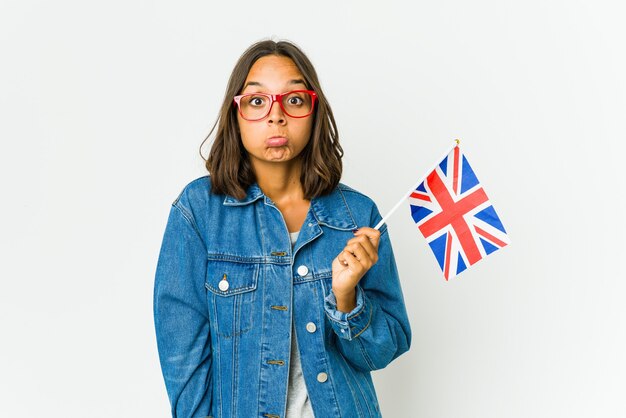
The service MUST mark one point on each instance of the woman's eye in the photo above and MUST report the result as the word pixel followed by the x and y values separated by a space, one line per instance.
pixel 294 100
pixel 257 101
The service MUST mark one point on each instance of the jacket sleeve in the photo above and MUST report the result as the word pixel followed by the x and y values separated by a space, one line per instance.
pixel 181 318
pixel 377 330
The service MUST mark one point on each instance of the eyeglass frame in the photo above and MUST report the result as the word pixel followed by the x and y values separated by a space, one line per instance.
pixel 275 98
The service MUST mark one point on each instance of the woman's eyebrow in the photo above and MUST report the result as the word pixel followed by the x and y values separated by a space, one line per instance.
pixel 290 82
pixel 297 81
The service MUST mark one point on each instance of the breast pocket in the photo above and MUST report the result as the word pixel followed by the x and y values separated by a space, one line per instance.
pixel 231 296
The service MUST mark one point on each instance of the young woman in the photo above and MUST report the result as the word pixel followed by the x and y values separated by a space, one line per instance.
pixel 274 296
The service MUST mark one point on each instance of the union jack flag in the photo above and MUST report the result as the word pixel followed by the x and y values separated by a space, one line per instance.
pixel 454 214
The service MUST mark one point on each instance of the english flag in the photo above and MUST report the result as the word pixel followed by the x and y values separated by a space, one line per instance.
pixel 453 212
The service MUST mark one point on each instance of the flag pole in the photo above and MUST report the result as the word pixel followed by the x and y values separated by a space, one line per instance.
pixel 407 194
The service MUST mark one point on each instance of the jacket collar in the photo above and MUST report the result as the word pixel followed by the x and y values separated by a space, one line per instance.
pixel 330 210
pixel 253 193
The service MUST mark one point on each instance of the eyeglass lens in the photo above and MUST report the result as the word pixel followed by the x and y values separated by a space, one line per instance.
pixel 257 106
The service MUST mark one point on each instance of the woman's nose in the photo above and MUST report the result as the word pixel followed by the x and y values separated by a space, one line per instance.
pixel 276 114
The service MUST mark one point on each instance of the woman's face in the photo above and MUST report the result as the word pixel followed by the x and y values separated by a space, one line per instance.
pixel 277 138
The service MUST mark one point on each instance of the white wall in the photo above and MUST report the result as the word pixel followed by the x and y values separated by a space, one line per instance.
pixel 103 106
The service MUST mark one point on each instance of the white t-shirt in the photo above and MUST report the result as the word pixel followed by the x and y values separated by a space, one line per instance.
pixel 298 403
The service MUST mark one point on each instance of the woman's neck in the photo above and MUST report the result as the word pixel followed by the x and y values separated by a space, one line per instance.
pixel 280 181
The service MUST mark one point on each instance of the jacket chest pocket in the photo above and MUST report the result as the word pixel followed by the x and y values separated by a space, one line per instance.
pixel 231 296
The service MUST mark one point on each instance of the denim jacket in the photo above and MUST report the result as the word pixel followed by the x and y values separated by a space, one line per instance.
pixel 228 286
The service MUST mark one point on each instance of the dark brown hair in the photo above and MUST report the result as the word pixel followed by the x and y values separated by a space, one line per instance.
pixel 228 161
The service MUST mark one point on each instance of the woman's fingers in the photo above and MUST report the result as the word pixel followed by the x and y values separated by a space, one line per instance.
pixel 351 261
pixel 344 256
pixel 372 234
pixel 361 252
pixel 357 254
pixel 363 245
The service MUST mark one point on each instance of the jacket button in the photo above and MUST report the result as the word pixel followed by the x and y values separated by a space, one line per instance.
pixel 311 327
pixel 303 270
pixel 322 377
pixel 223 285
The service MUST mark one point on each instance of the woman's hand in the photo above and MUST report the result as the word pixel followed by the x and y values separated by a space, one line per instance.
pixel 357 257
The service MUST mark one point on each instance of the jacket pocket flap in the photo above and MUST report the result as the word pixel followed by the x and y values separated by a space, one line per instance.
pixel 225 278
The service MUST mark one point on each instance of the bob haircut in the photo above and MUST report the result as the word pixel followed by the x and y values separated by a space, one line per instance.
pixel 228 161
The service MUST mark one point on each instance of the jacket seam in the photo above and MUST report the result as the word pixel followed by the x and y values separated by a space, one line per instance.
pixel 345 202
pixel 367 358
pixel 234 365
pixel 368 396
pixel 342 367
pixel 191 222
pixel 369 321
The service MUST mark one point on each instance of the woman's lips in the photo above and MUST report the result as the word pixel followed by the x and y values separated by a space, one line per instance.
pixel 277 141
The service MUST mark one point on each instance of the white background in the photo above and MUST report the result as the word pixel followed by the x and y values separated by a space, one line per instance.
pixel 103 106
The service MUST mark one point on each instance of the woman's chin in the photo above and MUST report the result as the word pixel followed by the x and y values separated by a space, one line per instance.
pixel 278 154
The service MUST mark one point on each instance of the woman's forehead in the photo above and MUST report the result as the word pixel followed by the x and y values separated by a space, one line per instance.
pixel 273 71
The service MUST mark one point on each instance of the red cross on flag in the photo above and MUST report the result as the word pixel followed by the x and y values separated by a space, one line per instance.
pixel 453 212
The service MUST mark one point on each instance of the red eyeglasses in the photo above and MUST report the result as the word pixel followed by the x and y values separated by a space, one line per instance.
pixel 295 104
